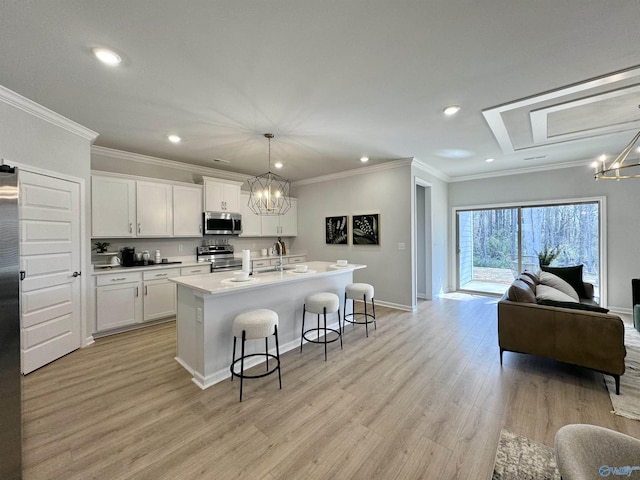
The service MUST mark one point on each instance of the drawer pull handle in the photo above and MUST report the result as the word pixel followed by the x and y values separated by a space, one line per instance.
pixel 118 279
pixel 161 274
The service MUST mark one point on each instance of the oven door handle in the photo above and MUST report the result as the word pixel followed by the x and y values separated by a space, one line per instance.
pixel 225 269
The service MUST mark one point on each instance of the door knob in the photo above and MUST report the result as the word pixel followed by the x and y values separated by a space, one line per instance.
pixel 77 274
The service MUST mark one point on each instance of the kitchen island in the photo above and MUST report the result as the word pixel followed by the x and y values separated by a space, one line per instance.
pixel 207 305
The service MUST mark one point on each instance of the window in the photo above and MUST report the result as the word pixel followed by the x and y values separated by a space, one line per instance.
pixel 495 244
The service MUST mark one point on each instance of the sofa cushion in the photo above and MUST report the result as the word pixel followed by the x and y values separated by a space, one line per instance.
pixel 571 275
pixel 545 292
pixel 556 282
pixel 534 277
pixel 574 306
pixel 520 291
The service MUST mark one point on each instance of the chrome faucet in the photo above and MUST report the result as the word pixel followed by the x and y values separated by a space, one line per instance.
pixel 278 246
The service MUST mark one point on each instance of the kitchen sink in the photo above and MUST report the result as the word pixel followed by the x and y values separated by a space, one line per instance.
pixel 273 269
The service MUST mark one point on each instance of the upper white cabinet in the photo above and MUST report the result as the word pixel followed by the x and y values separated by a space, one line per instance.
pixel 187 211
pixel 130 207
pixel 282 225
pixel 251 223
pixel 270 225
pixel 221 195
pixel 113 207
pixel 154 208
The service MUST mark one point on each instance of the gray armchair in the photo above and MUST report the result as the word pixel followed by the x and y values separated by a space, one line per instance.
pixel 585 452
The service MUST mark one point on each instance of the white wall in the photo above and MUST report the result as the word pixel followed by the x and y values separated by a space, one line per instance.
pixel 383 191
pixel 623 214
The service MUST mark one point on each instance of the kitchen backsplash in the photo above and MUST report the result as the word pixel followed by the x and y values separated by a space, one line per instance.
pixel 170 247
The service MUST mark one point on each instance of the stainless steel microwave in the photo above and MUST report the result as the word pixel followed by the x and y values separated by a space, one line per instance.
pixel 222 223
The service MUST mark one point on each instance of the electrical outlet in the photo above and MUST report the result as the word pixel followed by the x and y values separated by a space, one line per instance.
pixel 401 246
pixel 199 315
pixel 180 247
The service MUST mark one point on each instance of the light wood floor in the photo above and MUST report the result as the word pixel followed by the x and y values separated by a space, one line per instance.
pixel 423 397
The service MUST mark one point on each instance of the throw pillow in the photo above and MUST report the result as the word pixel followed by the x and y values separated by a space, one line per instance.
pixel 545 292
pixel 574 306
pixel 535 278
pixel 571 275
pixel 520 291
pixel 556 282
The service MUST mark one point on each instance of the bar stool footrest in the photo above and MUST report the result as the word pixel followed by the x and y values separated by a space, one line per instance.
pixel 325 330
pixel 264 374
pixel 369 318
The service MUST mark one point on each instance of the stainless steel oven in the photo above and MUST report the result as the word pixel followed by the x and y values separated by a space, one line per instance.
pixel 222 223
pixel 220 257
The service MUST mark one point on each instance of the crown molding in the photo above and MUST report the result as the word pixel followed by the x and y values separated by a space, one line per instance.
pixel 355 172
pixel 431 171
pixel 521 171
pixel 32 108
pixel 163 162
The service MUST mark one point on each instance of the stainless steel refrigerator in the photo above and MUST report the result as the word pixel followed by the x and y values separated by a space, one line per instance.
pixel 10 375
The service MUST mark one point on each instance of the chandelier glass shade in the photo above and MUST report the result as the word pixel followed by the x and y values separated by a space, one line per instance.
pixel 269 193
pixel 619 168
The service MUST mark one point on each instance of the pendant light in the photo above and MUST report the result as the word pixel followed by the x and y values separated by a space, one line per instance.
pixel 269 193
pixel 617 169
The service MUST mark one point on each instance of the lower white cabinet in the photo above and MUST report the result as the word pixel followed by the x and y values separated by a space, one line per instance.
pixel 118 300
pixel 127 299
pixel 159 294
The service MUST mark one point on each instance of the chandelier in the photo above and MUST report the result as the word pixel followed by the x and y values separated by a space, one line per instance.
pixel 618 169
pixel 269 193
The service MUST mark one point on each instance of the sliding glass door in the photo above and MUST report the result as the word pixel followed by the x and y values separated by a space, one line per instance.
pixel 494 245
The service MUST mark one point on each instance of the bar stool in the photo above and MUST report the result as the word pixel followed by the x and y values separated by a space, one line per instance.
pixel 252 325
pixel 357 291
pixel 321 304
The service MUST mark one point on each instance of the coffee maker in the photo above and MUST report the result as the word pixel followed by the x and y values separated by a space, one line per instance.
pixel 128 256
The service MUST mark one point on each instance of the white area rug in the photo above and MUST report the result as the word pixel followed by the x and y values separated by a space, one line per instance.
pixel 519 458
pixel 627 404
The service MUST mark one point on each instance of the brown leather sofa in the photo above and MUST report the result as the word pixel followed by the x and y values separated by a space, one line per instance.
pixel 589 339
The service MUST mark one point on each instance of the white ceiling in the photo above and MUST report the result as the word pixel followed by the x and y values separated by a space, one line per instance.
pixel 335 80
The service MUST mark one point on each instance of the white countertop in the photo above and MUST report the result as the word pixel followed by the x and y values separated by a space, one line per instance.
pixel 222 283
pixel 106 269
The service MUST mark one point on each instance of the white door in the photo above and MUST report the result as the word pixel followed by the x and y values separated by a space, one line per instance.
pixel 50 258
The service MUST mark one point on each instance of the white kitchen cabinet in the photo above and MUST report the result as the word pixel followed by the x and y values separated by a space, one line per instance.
pixel 251 223
pixel 281 225
pixel 159 293
pixel 113 207
pixel 187 211
pixel 268 225
pixel 118 300
pixel 221 195
pixel 196 270
pixel 154 209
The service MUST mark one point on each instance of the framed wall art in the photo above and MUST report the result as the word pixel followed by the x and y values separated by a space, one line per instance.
pixel 336 230
pixel 365 229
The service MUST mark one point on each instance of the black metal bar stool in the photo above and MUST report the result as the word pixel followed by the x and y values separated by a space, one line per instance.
pixel 321 304
pixel 357 291
pixel 253 325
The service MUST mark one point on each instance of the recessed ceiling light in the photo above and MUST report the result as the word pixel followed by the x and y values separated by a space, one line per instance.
pixel 602 157
pixel 489 160
pixel 278 164
pixel 174 138
pixel 106 56
pixel 451 109
pixel 364 159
